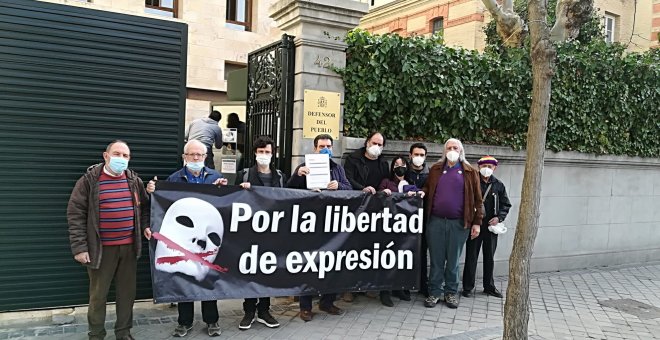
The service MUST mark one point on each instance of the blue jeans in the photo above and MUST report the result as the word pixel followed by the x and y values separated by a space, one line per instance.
pixel 445 239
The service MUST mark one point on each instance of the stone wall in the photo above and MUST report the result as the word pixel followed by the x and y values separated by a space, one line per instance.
pixel 595 210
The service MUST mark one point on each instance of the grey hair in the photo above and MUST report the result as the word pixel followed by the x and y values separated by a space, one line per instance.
pixel 461 153
pixel 194 141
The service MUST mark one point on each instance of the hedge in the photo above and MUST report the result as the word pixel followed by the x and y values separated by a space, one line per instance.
pixel 604 100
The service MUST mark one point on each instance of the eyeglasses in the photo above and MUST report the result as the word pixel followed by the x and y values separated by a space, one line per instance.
pixel 195 155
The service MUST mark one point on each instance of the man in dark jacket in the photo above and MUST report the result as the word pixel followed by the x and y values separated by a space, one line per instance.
pixel 454 213
pixel 496 205
pixel 417 173
pixel 338 181
pixel 107 213
pixel 194 171
pixel 263 173
pixel 366 167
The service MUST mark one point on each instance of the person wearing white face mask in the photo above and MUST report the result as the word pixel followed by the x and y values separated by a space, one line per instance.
pixel 496 205
pixel 365 169
pixel 454 212
pixel 263 173
pixel 417 173
pixel 194 171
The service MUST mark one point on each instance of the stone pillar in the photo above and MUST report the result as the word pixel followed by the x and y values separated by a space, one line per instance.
pixel 318 27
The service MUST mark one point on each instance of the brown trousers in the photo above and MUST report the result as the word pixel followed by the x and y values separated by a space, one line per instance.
pixel 118 263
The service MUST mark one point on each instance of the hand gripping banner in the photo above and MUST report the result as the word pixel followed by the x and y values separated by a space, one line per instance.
pixel 213 243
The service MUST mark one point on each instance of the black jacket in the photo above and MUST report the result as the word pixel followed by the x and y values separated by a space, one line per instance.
pixel 497 201
pixel 357 171
pixel 278 179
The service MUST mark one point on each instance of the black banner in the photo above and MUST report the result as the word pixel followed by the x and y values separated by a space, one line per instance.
pixel 213 243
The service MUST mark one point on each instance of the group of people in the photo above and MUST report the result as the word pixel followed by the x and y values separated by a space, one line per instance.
pixel 109 210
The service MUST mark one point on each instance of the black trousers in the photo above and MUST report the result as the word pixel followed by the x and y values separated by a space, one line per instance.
pixel 326 301
pixel 472 247
pixel 252 305
pixel 208 162
pixel 187 312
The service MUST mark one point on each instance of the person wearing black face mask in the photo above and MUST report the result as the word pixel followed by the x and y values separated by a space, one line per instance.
pixel 397 183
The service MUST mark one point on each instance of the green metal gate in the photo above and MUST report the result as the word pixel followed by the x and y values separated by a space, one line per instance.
pixel 72 80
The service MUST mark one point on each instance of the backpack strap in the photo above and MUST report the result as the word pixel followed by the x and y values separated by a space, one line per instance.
pixel 246 175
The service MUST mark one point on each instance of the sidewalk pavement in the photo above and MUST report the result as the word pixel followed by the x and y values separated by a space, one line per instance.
pixel 603 303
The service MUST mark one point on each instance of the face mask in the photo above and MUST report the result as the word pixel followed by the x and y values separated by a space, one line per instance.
pixel 452 156
pixel 486 172
pixel 400 170
pixel 326 151
pixel 118 164
pixel 195 166
pixel 374 150
pixel 418 160
pixel 263 159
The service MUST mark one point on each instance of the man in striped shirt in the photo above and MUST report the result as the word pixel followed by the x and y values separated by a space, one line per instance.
pixel 107 212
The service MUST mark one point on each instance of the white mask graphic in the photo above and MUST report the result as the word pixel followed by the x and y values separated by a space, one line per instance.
pixel 374 150
pixel 486 172
pixel 452 156
pixel 418 160
pixel 195 226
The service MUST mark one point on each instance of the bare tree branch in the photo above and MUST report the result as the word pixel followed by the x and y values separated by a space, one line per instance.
pixel 571 15
pixel 510 27
pixel 508 6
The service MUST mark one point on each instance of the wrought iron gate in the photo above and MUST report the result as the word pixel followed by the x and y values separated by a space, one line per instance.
pixel 270 99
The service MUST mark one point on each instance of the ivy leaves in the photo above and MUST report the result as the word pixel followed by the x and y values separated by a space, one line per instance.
pixel 603 101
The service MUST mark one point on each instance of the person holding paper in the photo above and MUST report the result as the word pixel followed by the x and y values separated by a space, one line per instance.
pixel 338 181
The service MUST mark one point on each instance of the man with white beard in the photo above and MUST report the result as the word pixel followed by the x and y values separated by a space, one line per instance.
pixel 454 212
pixel 194 171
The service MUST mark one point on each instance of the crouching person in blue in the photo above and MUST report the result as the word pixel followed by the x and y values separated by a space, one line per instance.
pixel 194 153
pixel 338 181
pixel 263 173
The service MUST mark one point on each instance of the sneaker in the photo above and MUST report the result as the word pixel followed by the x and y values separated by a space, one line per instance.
pixel 451 301
pixel 267 319
pixel 213 329
pixel 181 330
pixel 431 301
pixel 246 322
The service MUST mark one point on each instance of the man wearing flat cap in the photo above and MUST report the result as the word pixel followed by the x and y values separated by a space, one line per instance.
pixel 497 205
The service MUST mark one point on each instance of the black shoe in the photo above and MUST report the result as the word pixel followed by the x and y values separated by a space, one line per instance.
pixel 247 321
pixel 267 319
pixel 493 292
pixel 403 295
pixel 386 299
pixel 466 293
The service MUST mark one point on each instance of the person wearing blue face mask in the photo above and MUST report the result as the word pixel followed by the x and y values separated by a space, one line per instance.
pixel 194 171
pixel 322 144
pixel 107 213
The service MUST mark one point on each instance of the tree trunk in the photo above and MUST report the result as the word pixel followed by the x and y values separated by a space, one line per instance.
pixel 516 309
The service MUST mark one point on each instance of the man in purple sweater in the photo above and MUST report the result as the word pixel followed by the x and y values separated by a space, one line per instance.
pixel 455 210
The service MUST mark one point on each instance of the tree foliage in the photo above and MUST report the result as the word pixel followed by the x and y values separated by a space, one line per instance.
pixel 604 100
